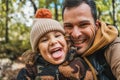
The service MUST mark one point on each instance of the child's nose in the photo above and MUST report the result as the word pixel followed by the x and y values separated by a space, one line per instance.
pixel 53 41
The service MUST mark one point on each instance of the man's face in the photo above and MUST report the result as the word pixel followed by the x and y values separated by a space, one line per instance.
pixel 80 25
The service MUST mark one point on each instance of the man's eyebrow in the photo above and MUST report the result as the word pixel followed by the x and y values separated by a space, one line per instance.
pixel 80 22
pixel 84 21
pixel 67 23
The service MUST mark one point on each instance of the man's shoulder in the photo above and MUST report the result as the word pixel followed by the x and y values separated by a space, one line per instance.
pixel 116 41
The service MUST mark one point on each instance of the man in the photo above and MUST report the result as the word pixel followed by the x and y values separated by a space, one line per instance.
pixel 96 42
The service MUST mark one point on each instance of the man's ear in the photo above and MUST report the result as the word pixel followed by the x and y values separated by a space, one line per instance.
pixel 97 23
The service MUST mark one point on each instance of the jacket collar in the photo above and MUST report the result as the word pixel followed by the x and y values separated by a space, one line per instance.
pixel 104 36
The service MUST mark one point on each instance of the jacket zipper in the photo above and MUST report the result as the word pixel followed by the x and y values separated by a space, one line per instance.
pixel 57 74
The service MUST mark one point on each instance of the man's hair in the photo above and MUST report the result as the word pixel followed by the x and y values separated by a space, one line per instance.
pixel 74 3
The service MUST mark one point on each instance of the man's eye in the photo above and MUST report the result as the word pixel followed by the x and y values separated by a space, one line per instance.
pixel 68 25
pixel 83 25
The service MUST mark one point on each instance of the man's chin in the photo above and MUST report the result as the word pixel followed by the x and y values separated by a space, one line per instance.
pixel 79 52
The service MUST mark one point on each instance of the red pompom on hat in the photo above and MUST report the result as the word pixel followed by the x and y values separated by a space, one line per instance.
pixel 42 24
pixel 43 13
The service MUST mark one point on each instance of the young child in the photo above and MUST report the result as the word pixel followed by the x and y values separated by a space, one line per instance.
pixel 49 50
pixel 48 45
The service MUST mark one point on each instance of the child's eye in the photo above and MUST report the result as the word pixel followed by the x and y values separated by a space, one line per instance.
pixel 58 34
pixel 43 39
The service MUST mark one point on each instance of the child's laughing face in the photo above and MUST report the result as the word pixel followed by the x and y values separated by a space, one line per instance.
pixel 53 47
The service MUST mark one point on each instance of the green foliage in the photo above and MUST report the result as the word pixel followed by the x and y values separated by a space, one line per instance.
pixel 18 41
pixel 18 33
pixel 105 11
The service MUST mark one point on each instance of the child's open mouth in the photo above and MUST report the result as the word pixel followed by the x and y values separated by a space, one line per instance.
pixel 57 53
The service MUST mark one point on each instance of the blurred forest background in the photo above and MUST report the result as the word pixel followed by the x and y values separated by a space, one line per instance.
pixel 16 18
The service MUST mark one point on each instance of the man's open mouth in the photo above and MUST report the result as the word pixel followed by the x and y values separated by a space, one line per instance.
pixel 79 41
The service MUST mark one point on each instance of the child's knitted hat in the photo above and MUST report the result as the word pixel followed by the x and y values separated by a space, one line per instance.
pixel 42 24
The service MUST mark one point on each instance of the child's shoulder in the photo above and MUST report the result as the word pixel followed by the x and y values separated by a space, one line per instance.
pixel 28 57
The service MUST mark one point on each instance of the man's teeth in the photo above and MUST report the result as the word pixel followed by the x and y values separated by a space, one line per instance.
pixel 78 42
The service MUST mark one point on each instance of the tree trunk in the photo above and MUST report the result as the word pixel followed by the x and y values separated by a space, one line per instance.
pixel 56 11
pixel 34 6
pixel 6 23
pixel 114 16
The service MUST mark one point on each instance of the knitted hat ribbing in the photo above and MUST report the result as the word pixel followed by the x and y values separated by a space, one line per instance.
pixel 40 27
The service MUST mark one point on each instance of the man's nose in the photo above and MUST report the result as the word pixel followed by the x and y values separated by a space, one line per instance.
pixel 75 33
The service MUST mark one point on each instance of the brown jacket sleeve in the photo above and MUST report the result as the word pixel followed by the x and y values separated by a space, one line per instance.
pixel 112 56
